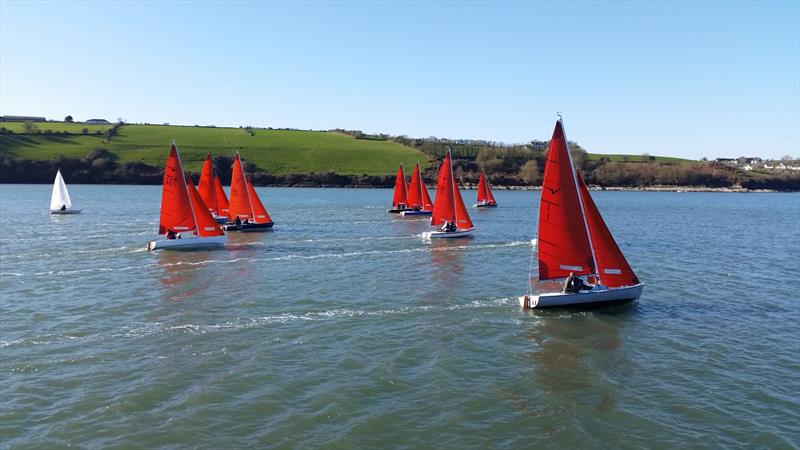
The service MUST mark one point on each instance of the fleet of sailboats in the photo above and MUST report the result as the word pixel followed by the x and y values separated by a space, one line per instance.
pixel 419 202
pixel 185 221
pixel 574 242
pixel 60 203
pixel 245 211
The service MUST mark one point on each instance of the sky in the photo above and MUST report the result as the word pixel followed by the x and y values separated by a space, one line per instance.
pixel 686 79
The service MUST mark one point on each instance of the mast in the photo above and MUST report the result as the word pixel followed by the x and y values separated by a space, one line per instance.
pixel 185 188
pixel 453 199
pixel 580 200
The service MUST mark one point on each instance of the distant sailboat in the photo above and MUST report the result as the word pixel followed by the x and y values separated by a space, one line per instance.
pixel 60 202
pixel 245 210
pixel 575 242
pixel 448 208
pixel 485 197
pixel 418 199
pixel 211 190
pixel 400 197
pixel 185 221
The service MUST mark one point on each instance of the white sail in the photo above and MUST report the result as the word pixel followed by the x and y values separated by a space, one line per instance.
pixel 60 195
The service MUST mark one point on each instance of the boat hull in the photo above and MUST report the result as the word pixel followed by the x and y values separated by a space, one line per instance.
pixel 222 220
pixel 584 299
pixel 397 210
pixel 249 227
pixel 449 235
pixel 484 205
pixel 69 211
pixel 188 243
pixel 416 213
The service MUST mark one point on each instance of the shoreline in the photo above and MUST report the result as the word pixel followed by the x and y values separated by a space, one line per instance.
pixel 470 187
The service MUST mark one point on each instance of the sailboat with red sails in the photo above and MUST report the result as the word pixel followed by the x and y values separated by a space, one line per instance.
pixel 485 197
pixel 449 210
pixel 245 211
pixel 211 190
pixel 185 221
pixel 419 201
pixel 400 196
pixel 574 243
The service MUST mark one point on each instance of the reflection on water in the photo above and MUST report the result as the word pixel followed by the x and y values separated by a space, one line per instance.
pixel 181 274
pixel 572 352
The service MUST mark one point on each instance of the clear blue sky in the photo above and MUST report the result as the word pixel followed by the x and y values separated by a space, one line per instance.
pixel 687 79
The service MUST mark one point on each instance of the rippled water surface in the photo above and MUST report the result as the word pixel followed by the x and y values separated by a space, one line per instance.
pixel 342 328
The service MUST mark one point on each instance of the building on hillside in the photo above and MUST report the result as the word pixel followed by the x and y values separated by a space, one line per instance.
pixel 22 119
pixel 747 167
pixel 98 121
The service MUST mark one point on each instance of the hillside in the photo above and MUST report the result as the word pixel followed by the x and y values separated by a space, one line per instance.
pixel 135 154
pixel 278 152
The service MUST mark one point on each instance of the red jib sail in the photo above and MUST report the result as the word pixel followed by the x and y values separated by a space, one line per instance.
pixel 176 208
pixel 400 195
pixel 417 192
pixel 206 225
pixel 239 205
pixel 206 185
pixel 462 216
pixel 485 191
pixel 260 214
pixel 222 199
pixel 612 266
pixel 444 208
pixel 427 204
pixel 563 240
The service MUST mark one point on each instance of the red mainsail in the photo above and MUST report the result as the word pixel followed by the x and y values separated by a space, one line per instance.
pixel 260 214
pixel 400 194
pixel 206 225
pixel 564 245
pixel 414 192
pixel 444 208
pixel 613 268
pixel 239 205
pixel 176 208
pixel 222 199
pixel 206 185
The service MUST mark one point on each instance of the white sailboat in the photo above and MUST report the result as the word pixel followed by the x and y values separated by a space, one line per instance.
pixel 60 202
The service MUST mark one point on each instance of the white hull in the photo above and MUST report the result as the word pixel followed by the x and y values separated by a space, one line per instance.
pixel 188 243
pixel 68 211
pixel 452 234
pixel 416 213
pixel 596 297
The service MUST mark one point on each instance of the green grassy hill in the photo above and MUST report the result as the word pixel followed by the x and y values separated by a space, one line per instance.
pixel 637 158
pixel 274 151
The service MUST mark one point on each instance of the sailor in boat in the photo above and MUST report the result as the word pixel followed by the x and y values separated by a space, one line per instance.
pixel 170 234
pixel 63 207
pixel 449 227
pixel 237 221
pixel 575 284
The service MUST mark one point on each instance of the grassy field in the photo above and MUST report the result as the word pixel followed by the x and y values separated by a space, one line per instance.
pixel 275 151
pixel 69 127
pixel 636 158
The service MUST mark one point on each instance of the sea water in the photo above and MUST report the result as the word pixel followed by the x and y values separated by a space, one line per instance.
pixel 343 328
